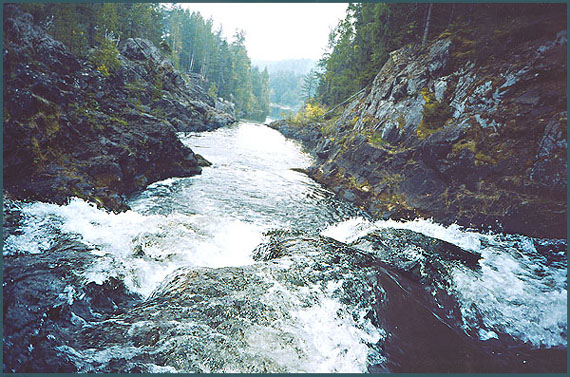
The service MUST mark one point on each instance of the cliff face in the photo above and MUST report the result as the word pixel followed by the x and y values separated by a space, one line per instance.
pixel 473 137
pixel 70 130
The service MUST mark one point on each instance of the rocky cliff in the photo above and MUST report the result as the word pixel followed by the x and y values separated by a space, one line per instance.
pixel 470 135
pixel 73 130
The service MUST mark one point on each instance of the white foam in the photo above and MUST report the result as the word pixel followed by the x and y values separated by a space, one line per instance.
pixel 311 330
pixel 511 297
pixel 356 227
pixel 333 340
pixel 34 234
pixel 141 249
pixel 314 333
pixel 349 230
pixel 515 291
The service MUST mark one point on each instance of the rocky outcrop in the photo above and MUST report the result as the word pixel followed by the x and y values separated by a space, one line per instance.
pixel 71 130
pixel 180 99
pixel 422 258
pixel 473 136
pixel 226 106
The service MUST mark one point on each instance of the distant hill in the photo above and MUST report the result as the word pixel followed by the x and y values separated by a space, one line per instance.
pixel 298 66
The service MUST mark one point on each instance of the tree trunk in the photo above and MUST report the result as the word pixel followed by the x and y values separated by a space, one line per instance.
pixel 426 29
pixel 91 35
pixel 451 15
pixel 203 68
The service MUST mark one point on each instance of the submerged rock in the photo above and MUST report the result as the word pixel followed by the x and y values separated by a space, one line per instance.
pixel 424 259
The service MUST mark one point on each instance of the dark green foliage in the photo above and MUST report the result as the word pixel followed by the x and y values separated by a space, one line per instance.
pixel 309 86
pixel 82 26
pixel 260 88
pixel 286 88
pixel 184 36
pixel 361 43
pixel 106 57
pixel 196 48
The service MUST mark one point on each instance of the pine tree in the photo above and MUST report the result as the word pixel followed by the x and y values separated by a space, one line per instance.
pixel 309 85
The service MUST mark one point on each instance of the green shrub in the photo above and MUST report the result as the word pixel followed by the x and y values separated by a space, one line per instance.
pixel 213 91
pixel 312 112
pixel 376 139
pixel 106 57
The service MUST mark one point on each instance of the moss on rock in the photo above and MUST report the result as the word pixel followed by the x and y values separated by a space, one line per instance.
pixel 435 114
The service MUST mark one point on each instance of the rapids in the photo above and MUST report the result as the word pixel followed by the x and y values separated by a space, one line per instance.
pixel 253 267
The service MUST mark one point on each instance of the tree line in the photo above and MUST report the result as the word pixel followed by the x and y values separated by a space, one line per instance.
pixel 287 81
pixel 188 39
pixel 196 47
pixel 360 44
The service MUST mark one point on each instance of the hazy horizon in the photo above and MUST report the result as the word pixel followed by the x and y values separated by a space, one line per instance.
pixel 276 31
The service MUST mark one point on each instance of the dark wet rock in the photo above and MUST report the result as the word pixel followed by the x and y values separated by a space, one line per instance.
pixel 438 56
pixel 140 49
pixel 202 161
pixel 487 151
pixel 274 247
pixel 349 196
pixel 206 320
pixel 47 304
pixel 71 131
pixel 33 40
pixel 549 168
pixel 424 259
pixel 413 346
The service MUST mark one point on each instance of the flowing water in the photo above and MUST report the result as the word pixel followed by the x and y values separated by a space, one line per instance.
pixel 253 267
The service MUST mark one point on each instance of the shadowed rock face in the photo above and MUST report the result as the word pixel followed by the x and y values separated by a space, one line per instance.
pixel 69 130
pixel 480 141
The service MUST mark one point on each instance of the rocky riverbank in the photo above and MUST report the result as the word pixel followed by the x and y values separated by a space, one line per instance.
pixel 73 130
pixel 473 136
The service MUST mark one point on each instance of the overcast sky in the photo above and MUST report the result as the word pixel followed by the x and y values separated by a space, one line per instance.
pixel 276 31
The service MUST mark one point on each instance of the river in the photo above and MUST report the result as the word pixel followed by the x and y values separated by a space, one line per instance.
pixel 254 267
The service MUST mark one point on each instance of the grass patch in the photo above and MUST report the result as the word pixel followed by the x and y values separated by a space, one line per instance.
pixel 376 139
pixel 120 122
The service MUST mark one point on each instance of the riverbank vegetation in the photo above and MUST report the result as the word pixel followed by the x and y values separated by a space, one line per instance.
pixel 188 39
